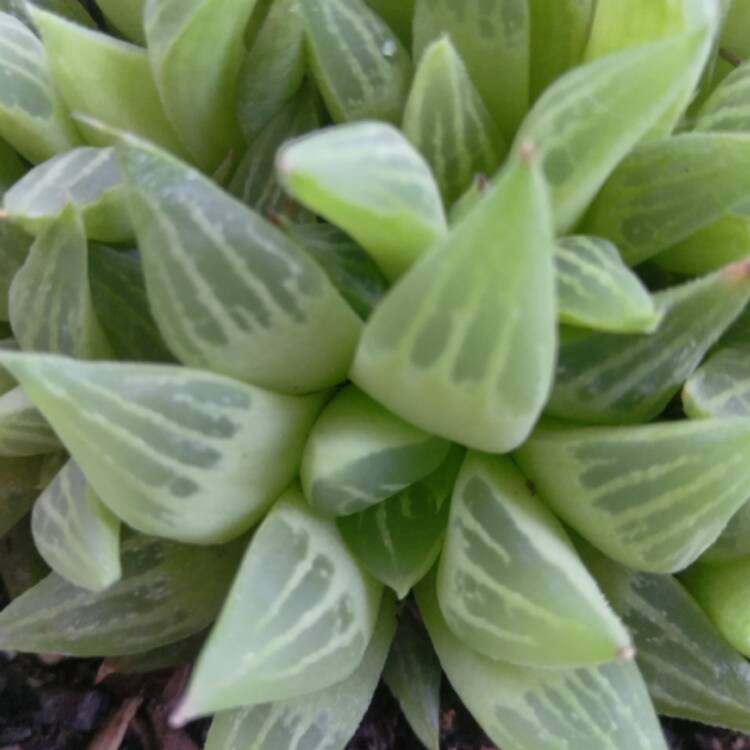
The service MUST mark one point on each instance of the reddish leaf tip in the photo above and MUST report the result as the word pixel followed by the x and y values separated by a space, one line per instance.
pixel 739 271
pixel 527 152
pixel 627 653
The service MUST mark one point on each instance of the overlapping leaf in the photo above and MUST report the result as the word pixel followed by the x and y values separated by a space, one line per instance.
pixel 598 708
pixel 734 542
pixel 298 618
pixel 14 247
pixel 361 67
pixel 75 533
pixel 21 481
pixel 158 600
pixel 653 497
pixel 503 555
pixel 400 539
pixel 493 40
pixel 228 290
pixel 370 181
pixel 605 378
pixel 358 454
pixel 398 14
pixel 196 48
pixel 323 720
pixel 596 289
pixel 447 121
pixel 728 107
pixel 33 117
pixel 101 77
pixel 172 451
pixel 23 429
pixel 720 387
pixel 71 9
pixel 127 16
pixel 448 353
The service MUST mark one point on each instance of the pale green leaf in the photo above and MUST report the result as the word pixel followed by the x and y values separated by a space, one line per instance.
pixel 734 542
pixel 448 353
pixel 102 77
pixel 720 387
pixel 520 708
pixel 358 454
pixel 361 68
pixel 273 69
pixel 400 539
pixel 590 118
pixel 667 190
pixel 255 182
pixel 605 378
pixel 21 481
pixel 323 720
pixel 158 600
pixel 728 107
pixel 126 16
pixel 398 14
pixel 33 117
pixel 23 429
pixel 504 555
pixel 652 497
pixel 89 178
pixel 196 49
pixel 172 451
pixel 75 533
pixel 597 290
pixel 298 618
pixel 413 675
pixel 370 181
pixel 70 9
pixel 351 270
pixel 50 300
pixel 493 40
pixel 118 292
pixel 229 291
pixel 559 32
pixel 447 121
pixel 690 670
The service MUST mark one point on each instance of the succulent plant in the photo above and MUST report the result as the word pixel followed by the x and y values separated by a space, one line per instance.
pixel 349 339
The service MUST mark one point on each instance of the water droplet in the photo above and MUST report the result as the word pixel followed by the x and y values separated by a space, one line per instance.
pixel 389 48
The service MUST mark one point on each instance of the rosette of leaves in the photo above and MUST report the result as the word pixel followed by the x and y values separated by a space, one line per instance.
pixel 312 304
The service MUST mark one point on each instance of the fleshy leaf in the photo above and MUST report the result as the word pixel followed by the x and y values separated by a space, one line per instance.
pixel 228 290
pixel 89 178
pixel 274 68
pixel 33 117
pixel 101 77
pixel 667 190
pixel 504 553
pixel 522 708
pixel 172 655
pixel 23 429
pixel 127 16
pixel 720 387
pixel 50 301
pixel 172 451
pixel 361 68
pixel 605 378
pixel 652 497
pixel 255 182
pixel 196 49
pixel 449 354
pixel 298 618
pixel 447 121
pixel 734 542
pixel 71 9
pixel 21 481
pixel 597 290
pixel 358 454
pixel 398 14
pixel 158 600
pixel 14 248
pixel 370 181
pixel 690 670
pixel 75 533
pixel 323 720
pixel 118 291
pixel 589 119
pixel 351 270
pixel 493 40
pixel 399 540
pixel 413 675
pixel 728 108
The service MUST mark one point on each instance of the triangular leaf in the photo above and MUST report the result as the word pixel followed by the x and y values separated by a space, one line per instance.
pixel 370 181
pixel 298 619
pixel 652 497
pixel 728 107
pixel 127 16
pixel 734 542
pixel 75 533
pixel 174 452
pixel 14 247
pixel 503 556
pixel 358 454
pixel 720 387
pixel 21 481
pixel 447 352
pixel 23 429
pixel 228 290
